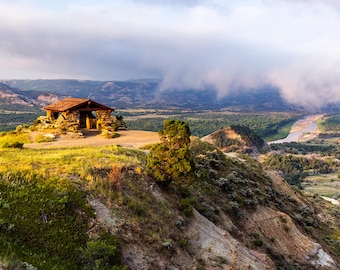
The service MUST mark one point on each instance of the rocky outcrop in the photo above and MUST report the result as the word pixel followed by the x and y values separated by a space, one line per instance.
pixel 220 250
pixel 279 232
pixel 11 96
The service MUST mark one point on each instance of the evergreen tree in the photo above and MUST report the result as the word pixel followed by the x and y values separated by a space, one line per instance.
pixel 171 160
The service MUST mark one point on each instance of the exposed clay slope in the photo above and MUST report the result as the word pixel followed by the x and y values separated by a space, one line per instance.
pixel 208 245
pixel 286 239
pixel 239 219
pixel 211 242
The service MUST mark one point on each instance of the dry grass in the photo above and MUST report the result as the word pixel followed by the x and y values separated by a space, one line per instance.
pixel 324 184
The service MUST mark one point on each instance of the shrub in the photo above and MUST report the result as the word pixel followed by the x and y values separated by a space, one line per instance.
pixel 100 255
pixel 19 128
pixel 14 144
pixel 109 134
pixel 187 206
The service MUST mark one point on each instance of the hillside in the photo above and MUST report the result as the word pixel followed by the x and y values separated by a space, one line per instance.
pixel 235 137
pixel 233 216
pixel 147 94
pixel 14 99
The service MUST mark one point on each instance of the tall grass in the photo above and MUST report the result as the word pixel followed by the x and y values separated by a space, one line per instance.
pixel 71 163
pixel 13 139
pixel 44 215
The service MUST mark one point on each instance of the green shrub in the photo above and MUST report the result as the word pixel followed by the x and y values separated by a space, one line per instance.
pixel 14 144
pixel 100 255
pixel 187 206
pixel 171 160
pixel 257 240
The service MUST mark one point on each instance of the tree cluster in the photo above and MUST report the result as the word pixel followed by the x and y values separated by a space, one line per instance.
pixel 295 168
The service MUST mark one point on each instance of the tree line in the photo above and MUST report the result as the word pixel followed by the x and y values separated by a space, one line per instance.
pixel 295 168
pixel 202 124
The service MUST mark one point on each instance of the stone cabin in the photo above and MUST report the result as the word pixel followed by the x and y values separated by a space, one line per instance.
pixel 73 114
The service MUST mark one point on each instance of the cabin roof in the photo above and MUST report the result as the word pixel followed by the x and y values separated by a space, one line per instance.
pixel 76 104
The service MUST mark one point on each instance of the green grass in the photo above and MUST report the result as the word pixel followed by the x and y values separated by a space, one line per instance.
pixel 79 161
pixel 324 184
pixel 10 139
pixel 44 215
pixel 282 133
pixel 43 221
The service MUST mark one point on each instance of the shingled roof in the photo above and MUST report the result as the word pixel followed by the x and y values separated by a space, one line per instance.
pixel 71 104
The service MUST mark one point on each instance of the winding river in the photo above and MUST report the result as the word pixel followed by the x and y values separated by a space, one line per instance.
pixel 303 129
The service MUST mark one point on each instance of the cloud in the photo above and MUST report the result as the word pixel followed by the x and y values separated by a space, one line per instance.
pixel 307 84
pixel 292 45
pixel 331 3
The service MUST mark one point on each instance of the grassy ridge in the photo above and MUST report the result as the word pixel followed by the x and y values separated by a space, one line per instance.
pixel 43 221
pixel 44 215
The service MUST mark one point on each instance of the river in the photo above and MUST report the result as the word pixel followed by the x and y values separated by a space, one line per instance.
pixel 302 130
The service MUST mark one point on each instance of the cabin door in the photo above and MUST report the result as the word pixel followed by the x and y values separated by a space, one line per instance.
pixel 82 120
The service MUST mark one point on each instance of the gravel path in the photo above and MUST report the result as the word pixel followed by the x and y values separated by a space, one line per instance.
pixel 127 138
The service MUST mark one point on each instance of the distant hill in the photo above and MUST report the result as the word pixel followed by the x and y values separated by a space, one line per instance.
pixel 235 137
pixel 18 100
pixel 146 94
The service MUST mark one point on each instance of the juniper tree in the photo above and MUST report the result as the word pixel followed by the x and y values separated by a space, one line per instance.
pixel 171 160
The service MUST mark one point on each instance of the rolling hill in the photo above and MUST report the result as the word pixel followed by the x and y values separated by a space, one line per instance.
pixel 146 94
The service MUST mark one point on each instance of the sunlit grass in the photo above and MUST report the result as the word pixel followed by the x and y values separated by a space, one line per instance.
pixel 67 162
pixel 47 188
pixel 9 138
pixel 324 184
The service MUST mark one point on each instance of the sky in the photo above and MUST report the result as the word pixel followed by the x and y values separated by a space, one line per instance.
pixel 292 45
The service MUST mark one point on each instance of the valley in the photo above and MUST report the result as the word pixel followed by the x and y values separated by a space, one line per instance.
pixel 246 200
pixel 169 135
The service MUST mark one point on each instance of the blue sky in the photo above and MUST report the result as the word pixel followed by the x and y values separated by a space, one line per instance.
pixel 291 44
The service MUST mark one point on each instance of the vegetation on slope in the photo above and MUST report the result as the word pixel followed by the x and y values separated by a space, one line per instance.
pixel 249 136
pixel 330 123
pixel 150 219
pixel 43 221
pixel 296 168
pixel 45 217
pixel 10 120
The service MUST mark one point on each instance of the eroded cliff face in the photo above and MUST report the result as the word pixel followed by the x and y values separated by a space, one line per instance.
pixel 264 238
pixel 211 243
pixel 234 216
pixel 12 96
pixel 208 246
pixel 278 231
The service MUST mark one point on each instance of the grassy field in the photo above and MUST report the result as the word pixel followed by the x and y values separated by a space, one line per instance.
pixel 325 184
pixel 45 217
